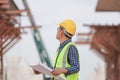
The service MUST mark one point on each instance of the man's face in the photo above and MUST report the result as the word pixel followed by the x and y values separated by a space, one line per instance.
pixel 59 33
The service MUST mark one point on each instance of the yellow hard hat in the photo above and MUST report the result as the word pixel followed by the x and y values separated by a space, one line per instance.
pixel 69 26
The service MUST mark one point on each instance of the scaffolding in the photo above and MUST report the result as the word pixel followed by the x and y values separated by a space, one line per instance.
pixel 105 41
pixel 11 30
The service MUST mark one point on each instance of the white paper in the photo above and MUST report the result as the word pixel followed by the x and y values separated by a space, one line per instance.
pixel 43 69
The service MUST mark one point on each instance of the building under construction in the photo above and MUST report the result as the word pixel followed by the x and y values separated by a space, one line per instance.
pixel 105 39
pixel 11 30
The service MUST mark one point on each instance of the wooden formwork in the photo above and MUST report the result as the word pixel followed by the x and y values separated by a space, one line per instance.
pixel 110 41
pixel 106 41
pixel 108 5
pixel 9 33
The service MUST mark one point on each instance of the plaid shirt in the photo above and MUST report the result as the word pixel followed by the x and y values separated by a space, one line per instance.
pixel 73 58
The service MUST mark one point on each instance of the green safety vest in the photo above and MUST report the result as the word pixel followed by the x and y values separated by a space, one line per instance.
pixel 62 62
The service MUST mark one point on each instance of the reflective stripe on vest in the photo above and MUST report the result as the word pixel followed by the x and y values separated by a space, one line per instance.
pixel 62 62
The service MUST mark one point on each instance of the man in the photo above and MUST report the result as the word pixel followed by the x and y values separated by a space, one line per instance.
pixel 66 62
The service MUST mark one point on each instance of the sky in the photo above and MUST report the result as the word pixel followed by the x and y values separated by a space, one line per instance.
pixel 49 13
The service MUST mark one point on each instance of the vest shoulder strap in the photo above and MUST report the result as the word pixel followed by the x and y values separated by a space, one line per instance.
pixel 65 56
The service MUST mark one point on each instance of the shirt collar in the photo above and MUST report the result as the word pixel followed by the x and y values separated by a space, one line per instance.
pixel 64 43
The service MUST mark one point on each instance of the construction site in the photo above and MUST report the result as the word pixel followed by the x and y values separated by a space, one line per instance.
pixel 103 40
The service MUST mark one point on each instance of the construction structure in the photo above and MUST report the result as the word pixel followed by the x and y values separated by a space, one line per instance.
pixel 105 40
pixel 11 30
pixel 108 5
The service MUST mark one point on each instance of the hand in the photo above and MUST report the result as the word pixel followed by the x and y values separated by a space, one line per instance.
pixel 58 71
pixel 36 72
